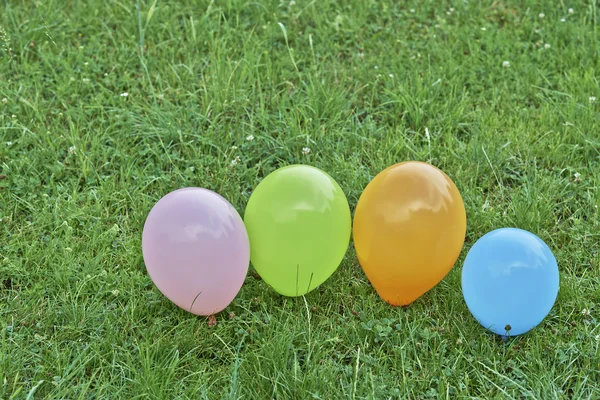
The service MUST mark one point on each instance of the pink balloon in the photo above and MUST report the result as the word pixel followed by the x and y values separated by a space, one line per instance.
pixel 196 250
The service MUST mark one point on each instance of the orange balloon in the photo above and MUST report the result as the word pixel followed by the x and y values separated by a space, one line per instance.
pixel 409 229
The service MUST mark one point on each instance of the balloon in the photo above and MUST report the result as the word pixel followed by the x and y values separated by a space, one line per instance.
pixel 409 229
pixel 196 250
pixel 510 281
pixel 298 222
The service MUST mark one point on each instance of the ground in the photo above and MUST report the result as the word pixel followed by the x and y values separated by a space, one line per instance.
pixel 109 105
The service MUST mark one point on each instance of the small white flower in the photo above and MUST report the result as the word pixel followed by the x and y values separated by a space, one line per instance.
pixel 72 149
pixel 541 15
pixel 483 29
pixel 562 20
pixel 592 99
pixel 234 147
pixel 292 3
pixel 577 177
pixel 571 11
pixel 585 312
pixel 106 74
pixel 80 47
pixel 4 100
pixel 547 46
pixel 391 75
pixel 459 341
pixel 427 133
pixel 13 116
pixel 451 9
pixel 305 150
pixel 235 161
pixel 88 276
pixel 597 338
pixel 116 292
pixel 412 10
pixel 250 138
pixel 85 80
pixel 124 94
pixel 86 63
pixel 376 67
pixel 9 143
pixel 506 64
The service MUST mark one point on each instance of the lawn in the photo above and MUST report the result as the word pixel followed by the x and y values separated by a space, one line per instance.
pixel 106 106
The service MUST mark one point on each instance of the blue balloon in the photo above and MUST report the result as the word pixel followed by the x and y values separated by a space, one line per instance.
pixel 510 281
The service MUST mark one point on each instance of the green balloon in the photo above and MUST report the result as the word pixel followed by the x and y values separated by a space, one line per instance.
pixel 298 222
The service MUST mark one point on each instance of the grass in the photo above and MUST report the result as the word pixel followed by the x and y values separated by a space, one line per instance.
pixel 363 84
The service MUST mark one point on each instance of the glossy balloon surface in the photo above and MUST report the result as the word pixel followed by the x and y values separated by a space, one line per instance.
pixel 510 281
pixel 409 229
pixel 196 250
pixel 299 223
